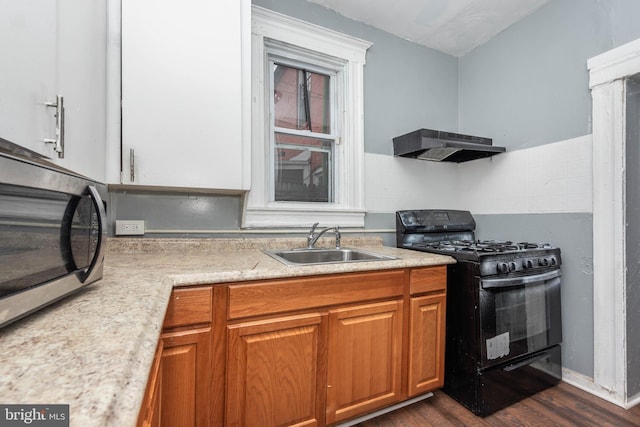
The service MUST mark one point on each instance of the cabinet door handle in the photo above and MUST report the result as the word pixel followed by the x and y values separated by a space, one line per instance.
pixel 58 142
pixel 132 165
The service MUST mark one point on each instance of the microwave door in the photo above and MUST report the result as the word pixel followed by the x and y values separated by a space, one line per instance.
pixel 52 244
pixel 52 233
pixel 30 226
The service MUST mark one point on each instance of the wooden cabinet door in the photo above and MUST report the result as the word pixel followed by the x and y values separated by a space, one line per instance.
pixel 274 374
pixel 185 372
pixel 364 359
pixel 151 410
pixel 426 343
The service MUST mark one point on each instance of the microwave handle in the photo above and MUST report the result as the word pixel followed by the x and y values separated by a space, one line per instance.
pixel 94 271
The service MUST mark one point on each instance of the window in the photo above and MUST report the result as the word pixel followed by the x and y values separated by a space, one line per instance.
pixel 302 138
pixel 307 129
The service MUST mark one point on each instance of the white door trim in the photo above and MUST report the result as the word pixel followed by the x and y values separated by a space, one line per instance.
pixel 606 74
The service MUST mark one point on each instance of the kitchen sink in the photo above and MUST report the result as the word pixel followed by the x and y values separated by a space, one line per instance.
pixel 304 256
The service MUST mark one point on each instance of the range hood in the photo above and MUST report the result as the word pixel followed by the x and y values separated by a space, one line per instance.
pixel 440 146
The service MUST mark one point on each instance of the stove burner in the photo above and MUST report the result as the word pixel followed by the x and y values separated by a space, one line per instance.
pixel 480 246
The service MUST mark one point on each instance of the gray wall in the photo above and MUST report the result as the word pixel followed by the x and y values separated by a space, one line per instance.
pixel 177 214
pixel 633 236
pixel 170 211
pixel 529 85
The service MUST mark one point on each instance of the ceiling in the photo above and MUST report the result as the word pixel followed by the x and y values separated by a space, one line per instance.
pixel 451 26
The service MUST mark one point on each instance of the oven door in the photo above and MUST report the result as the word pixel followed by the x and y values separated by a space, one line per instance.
pixel 519 315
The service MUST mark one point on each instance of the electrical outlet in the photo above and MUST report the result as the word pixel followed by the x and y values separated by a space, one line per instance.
pixel 129 228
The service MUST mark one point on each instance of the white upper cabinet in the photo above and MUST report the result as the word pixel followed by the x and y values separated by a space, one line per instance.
pixel 184 81
pixel 55 48
pixel 82 82
pixel 28 76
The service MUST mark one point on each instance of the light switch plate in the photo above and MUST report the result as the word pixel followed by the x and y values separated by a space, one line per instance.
pixel 129 227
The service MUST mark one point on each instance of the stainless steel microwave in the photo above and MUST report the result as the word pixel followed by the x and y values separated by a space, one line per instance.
pixel 52 232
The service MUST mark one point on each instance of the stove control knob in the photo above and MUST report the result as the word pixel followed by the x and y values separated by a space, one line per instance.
pixel 527 263
pixel 512 266
pixel 543 261
pixel 502 267
pixel 553 261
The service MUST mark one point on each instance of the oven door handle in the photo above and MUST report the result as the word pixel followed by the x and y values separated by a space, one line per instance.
pixel 525 362
pixel 519 281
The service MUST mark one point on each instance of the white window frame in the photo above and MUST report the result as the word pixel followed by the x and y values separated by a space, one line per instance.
pixel 292 57
pixel 318 45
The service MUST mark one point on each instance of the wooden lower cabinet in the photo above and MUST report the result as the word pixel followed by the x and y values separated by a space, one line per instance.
pixel 274 372
pixel 185 362
pixel 185 378
pixel 426 343
pixel 308 351
pixel 179 387
pixel 365 359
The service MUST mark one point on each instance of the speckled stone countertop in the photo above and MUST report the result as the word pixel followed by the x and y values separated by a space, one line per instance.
pixel 94 349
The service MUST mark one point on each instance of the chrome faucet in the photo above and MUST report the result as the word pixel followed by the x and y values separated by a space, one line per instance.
pixel 312 238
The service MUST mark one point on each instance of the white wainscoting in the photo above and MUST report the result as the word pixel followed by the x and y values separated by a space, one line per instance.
pixel 555 177
pixel 396 183
pixel 551 178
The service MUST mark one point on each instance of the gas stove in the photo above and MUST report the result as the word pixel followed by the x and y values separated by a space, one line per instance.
pixel 504 319
pixel 452 233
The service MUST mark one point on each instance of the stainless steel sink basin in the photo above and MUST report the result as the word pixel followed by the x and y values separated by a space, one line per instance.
pixel 306 256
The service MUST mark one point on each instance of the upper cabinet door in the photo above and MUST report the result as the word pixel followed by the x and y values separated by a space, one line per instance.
pixel 81 80
pixel 182 93
pixel 28 78
pixel 55 48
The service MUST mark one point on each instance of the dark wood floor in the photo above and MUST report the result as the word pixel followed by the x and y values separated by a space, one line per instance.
pixel 562 405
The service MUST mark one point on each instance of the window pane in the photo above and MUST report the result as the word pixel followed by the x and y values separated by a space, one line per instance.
pixel 301 99
pixel 303 169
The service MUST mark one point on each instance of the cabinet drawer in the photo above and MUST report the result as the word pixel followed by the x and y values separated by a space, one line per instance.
pixel 189 306
pixel 275 296
pixel 428 279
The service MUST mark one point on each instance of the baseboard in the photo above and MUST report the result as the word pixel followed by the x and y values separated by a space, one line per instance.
pixel 633 401
pixel 586 384
pixel 384 410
